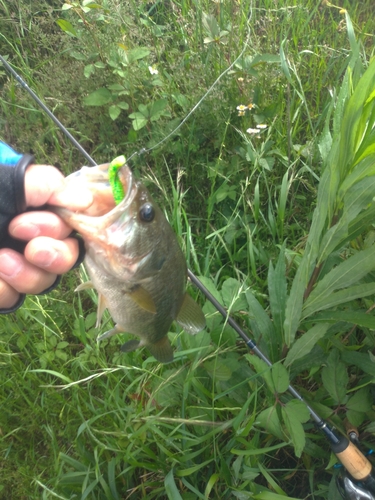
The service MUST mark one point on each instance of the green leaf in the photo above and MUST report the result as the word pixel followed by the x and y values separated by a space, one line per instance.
pixel 89 70
pixel 262 369
pixel 359 359
pixel 299 409
pixel 365 168
pixel 91 5
pixel 355 317
pixel 67 27
pixel 138 120
pixel 357 197
pixel 308 262
pixel 270 421
pixel 270 480
pixel 360 401
pixel 337 298
pixel 356 418
pixel 261 323
pixel 280 377
pixel 335 377
pixel 305 344
pixel 210 24
pixel 349 272
pixel 116 87
pixel 361 223
pixel 277 290
pixel 191 470
pixel 217 370
pixel 258 451
pixel 295 429
pixel 98 98
pixel 157 109
pixel 265 58
pixel 62 344
pixel 344 275
pixel 233 295
pixel 114 111
pixel 294 302
pixel 170 487
pixel 284 63
pixel 137 53
pixel 268 495
pixel 123 105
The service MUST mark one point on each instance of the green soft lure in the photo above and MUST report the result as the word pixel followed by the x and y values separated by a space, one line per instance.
pixel 117 189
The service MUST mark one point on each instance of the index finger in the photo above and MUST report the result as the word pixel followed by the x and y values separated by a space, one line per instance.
pixel 45 184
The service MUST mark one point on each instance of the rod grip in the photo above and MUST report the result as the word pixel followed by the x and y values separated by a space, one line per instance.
pixel 352 459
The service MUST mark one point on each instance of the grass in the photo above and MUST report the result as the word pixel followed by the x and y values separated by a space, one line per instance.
pixel 81 420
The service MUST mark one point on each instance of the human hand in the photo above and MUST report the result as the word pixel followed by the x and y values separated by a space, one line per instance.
pixel 49 250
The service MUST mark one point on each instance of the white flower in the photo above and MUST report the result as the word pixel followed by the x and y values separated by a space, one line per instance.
pixel 153 70
pixel 252 131
pixel 262 126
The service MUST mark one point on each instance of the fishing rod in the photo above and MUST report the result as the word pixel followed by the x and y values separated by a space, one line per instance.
pixel 360 482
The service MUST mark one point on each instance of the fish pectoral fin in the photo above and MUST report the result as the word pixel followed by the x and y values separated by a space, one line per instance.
pixel 84 286
pixel 143 298
pixel 191 316
pixel 131 345
pixel 102 306
pixel 161 350
pixel 110 333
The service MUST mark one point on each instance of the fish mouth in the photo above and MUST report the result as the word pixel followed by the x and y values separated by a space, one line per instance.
pixel 130 191
pixel 96 180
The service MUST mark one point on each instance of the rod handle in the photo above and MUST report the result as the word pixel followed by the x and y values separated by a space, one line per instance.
pixel 352 459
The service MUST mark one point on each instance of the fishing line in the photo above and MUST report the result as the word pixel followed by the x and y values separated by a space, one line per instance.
pixel 355 463
pixel 24 85
pixel 246 44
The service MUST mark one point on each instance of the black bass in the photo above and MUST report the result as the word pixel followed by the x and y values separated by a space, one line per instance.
pixel 134 262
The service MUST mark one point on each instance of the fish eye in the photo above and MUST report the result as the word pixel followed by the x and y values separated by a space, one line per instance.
pixel 147 212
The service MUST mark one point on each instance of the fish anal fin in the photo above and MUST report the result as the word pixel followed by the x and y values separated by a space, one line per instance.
pixel 131 345
pixel 143 299
pixel 162 350
pixel 110 333
pixel 190 316
pixel 102 306
pixel 84 286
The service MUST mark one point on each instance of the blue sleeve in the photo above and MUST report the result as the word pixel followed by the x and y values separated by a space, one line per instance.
pixel 8 156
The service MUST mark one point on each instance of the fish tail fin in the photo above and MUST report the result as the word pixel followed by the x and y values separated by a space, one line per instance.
pixel 162 350
pixel 190 316
pixel 131 345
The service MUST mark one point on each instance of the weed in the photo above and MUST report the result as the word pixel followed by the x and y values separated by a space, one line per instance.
pixel 272 203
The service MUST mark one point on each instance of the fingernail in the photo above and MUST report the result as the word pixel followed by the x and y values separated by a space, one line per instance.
pixel 9 266
pixel 43 258
pixel 25 231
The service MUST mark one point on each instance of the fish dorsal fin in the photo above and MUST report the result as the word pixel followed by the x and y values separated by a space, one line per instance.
pixel 102 306
pixel 143 299
pixel 162 350
pixel 190 316
pixel 84 286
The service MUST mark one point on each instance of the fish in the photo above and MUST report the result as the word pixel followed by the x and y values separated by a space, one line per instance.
pixel 134 261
